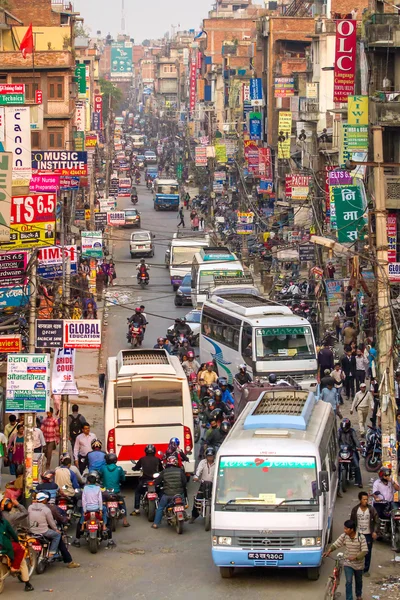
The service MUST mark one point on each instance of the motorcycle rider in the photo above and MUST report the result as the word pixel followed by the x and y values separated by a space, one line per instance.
pixel 227 397
pixel 41 521
pixel 242 375
pixel 148 464
pixel 92 500
pixel 181 328
pixel 347 437
pixel 173 481
pixel 65 478
pixel 213 437
pixel 383 491
pixel 206 415
pixel 112 475
pixel 136 320
pixel 190 365
pixel 15 552
pixel 219 403
pixel 204 472
pixel 182 349
pixel 143 267
pixel 97 457
pixel 13 512
pixel 174 450
pixel 160 344
pixel 48 485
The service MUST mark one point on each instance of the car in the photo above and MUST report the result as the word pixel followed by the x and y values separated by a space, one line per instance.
pixel 150 157
pixel 132 218
pixel 141 243
pixel 184 292
pixel 193 320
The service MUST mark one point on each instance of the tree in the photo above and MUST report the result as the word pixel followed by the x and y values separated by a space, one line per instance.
pixel 6 4
pixel 146 43
pixel 80 30
pixel 112 96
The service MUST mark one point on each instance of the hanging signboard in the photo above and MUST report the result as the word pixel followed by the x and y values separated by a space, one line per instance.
pixel 10 343
pixel 32 221
pixel 192 85
pixel 284 134
pixel 60 162
pixel 394 272
pixel 18 141
pixel 256 92
pixel 16 296
pixel 201 156
pixel 349 209
pixel 44 183
pixel 92 244
pixel 13 268
pixel 284 87
pixel 307 252
pixel 345 60
pixel 50 260
pixel 5 194
pixel 28 383
pixel 63 372
pixel 116 219
pixel 85 333
pixel 357 110
pixel 49 333
pixel 392 237
pixel 12 93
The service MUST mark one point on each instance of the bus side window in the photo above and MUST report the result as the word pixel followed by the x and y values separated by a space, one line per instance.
pixel 247 343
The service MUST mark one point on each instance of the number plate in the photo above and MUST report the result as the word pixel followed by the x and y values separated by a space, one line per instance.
pixel 140 246
pixel 37 548
pixel 151 496
pixel 179 508
pixel 112 504
pixel 266 555
pixel 92 527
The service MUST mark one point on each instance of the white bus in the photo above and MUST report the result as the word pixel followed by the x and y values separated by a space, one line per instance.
pixel 146 401
pixel 209 263
pixel 275 485
pixel 244 328
pixel 182 251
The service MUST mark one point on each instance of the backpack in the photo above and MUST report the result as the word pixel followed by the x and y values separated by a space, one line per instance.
pixel 75 427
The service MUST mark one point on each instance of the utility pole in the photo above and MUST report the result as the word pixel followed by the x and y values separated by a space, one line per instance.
pixel 92 191
pixel 30 418
pixel 384 325
pixel 65 397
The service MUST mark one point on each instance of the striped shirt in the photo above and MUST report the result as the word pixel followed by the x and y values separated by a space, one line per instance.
pixel 353 547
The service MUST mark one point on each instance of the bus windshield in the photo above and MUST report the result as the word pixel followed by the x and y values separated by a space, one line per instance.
pixel 266 481
pixel 183 255
pixel 280 343
pixel 148 394
pixel 167 189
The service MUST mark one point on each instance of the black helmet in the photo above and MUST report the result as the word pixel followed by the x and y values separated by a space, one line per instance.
pixel 218 394
pixel 272 378
pixel 111 458
pixel 345 424
pixel 150 449
pixel 216 414
pixel 225 426
pixel 211 403
pixel 210 452
pixel 384 472
pixel 222 381
pixel 91 478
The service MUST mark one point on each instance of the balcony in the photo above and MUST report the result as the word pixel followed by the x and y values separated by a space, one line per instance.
pixel 308 109
pixel 385 109
pixel 393 191
pixel 383 30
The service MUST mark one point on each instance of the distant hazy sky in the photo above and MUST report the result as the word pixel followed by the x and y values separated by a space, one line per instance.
pixel 143 18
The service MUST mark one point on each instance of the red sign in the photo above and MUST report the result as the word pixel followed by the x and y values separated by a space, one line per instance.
pixel 192 85
pixel 10 343
pixel 38 97
pixel 37 208
pixel 345 60
pixel 265 166
pixel 12 88
pixel 392 237
pixel 98 108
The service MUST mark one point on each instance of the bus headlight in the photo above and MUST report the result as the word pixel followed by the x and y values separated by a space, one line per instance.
pixel 308 541
pixel 224 541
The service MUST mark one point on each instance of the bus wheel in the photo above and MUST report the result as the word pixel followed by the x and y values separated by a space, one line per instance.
pixel 313 573
pixel 226 572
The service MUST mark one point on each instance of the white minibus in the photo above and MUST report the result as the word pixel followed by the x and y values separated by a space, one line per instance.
pixel 209 263
pixel 183 248
pixel 275 485
pixel 269 338
pixel 146 401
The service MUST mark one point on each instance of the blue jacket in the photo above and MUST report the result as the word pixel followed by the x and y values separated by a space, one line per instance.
pixel 227 397
pixel 96 460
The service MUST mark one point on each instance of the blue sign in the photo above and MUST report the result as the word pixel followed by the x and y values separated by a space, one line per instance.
pixel 255 129
pixel 256 89
pixel 96 121
pixel 16 296
pixel 266 185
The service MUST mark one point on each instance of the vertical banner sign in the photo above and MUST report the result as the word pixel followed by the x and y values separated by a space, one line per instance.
pixel 284 133
pixel 357 110
pixel 5 195
pixel 345 60
pixel 28 383
pixel 63 372
pixel 80 76
pixel 2 125
pixel 392 236
pixel 256 92
pixel 98 108
pixel 192 85
pixel 80 108
pixel 18 141
pixel 349 207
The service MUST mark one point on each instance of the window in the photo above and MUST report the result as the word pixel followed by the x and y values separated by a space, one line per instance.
pixel 247 343
pixel 143 394
pixel 221 327
pixel 31 86
pixel 56 138
pixel 35 140
pixel 55 88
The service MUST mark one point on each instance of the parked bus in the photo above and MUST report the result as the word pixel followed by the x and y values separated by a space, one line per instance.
pixel 182 250
pixel 269 338
pixel 146 401
pixel 209 263
pixel 138 141
pixel 166 194
pixel 275 485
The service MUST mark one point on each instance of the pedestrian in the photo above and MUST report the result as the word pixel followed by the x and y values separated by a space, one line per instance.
pixel 372 358
pixel 195 223
pixel 181 216
pixel 337 325
pixel 82 447
pixel 3 451
pixel 349 369
pixel 338 375
pixel 16 448
pixel 349 333
pixel 75 423
pixel 376 412
pixel 51 432
pixel 330 270
pixel 325 359
pixel 367 522
pixel 361 368
pixel 355 549
pixel 326 380
pixel 11 426
pixel 76 311
pixel 329 395
pixel 363 401
pixel 112 274
pixel 201 221
pixel 39 443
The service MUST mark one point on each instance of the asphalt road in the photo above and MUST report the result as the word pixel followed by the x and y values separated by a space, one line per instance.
pixel 147 564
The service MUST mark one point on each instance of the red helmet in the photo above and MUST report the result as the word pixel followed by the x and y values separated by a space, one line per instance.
pixel 137 310
pixel 190 354
pixel 210 364
pixel 192 376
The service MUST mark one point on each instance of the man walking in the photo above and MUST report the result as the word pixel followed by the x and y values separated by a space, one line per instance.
pixel 76 421
pixel 355 550
pixel 181 216
pixel 362 402
pixel 349 369
pixel 51 433
pixel 325 359
pixel 82 447
pixel 367 523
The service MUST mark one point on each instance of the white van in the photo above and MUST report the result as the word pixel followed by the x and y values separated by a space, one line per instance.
pixel 146 401
pixel 275 485
pixel 209 263
pixel 182 250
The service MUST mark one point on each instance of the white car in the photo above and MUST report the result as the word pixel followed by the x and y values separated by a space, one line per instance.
pixel 193 320
pixel 141 243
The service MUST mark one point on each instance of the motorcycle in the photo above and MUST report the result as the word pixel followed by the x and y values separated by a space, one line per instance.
pixel 149 183
pixel 42 549
pixel 149 500
pixel 372 450
pixel 135 336
pixel 28 541
pixel 389 525
pixel 143 279
pixel 175 513
pixel 115 510
pixel 137 180
pixel 93 530
pixel 134 199
pixel 347 469
pixel 202 502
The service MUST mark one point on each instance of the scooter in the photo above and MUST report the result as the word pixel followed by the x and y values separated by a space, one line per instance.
pixel 347 469
pixel 389 525
pixel 149 500
pixel 93 530
pixel 42 549
pixel 115 510
pixel 29 543
pixel 175 513
pixel 372 450
pixel 143 279
pixel 135 336
pixel 134 199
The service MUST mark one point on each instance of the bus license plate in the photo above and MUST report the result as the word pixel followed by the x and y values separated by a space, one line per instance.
pixel 266 555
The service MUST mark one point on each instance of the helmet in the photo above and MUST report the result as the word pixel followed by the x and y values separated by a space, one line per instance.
pixel 222 381
pixel 345 424
pixel 272 378
pixel 211 403
pixel 48 476
pixel 225 426
pixel 384 472
pixel 210 364
pixel 142 260
pixel 111 458
pixel 6 504
pixel 96 444
pixel 172 461
pixel 137 310
pixel 160 340
pixel 192 377
pixel 216 414
pixel 218 394
pixel 42 496
pixel 243 367
pixel 190 354
pixel 174 441
pixel 91 478
pixel 210 452
pixel 150 449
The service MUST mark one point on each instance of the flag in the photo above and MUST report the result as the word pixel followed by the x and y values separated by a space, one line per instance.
pixel 26 46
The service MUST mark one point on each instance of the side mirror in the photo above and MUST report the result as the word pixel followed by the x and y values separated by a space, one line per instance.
pixel 323 481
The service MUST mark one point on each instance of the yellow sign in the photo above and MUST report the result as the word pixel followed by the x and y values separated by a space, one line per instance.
pixel 87 213
pixel 357 110
pixel 284 133
pixel 220 153
pixel 30 236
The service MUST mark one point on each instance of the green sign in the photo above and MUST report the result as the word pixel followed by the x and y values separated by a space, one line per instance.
pixel 80 76
pixel 179 170
pixel 79 141
pixel 279 462
pixel 272 331
pixel 349 208
pixel 28 382
pixel 121 59
pixel 8 99
pixel 219 273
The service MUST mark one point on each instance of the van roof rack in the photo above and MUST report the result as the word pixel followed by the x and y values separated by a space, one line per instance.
pixel 281 409
pixel 142 357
